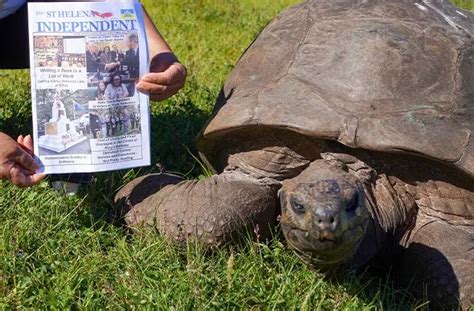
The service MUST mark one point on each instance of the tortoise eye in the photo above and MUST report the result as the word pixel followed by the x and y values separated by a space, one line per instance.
pixel 353 203
pixel 299 208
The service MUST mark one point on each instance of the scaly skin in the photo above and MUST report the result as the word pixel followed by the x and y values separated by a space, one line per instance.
pixel 216 210
pixel 324 215
pixel 425 208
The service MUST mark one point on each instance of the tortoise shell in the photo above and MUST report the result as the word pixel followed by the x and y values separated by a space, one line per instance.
pixel 392 76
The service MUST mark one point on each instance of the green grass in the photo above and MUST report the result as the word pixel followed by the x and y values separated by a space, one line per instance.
pixel 57 252
pixel 465 4
pixel 71 252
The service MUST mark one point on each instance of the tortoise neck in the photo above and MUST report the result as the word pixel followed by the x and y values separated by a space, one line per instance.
pixel 390 203
pixel 371 245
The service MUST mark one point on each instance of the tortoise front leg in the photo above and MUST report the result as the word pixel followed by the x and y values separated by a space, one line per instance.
pixel 440 259
pixel 214 210
pixel 141 188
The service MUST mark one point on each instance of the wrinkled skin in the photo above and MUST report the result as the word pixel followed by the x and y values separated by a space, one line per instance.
pixel 358 113
pixel 324 216
pixel 340 213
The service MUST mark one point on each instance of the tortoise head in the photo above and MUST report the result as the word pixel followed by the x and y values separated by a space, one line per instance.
pixel 324 215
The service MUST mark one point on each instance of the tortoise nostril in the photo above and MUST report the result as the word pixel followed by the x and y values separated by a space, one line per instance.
pixel 325 219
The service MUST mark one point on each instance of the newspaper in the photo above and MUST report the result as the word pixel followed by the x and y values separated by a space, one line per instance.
pixel 85 58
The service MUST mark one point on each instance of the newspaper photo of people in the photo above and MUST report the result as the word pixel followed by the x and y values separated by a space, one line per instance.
pixel 59 51
pixel 112 122
pixel 113 66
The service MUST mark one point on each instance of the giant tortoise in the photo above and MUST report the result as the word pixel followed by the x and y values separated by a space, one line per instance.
pixel 354 120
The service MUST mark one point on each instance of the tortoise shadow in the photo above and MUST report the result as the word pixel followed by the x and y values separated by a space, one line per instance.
pixel 403 273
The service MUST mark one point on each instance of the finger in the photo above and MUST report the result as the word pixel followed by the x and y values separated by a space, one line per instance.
pixel 34 179
pixel 156 88
pixel 25 160
pixel 28 143
pixel 25 171
pixel 169 92
pixel 17 177
pixel 163 78
pixel 147 87
pixel 22 178
pixel 172 75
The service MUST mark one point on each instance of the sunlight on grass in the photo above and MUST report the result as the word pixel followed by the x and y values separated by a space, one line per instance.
pixel 61 252
pixel 465 4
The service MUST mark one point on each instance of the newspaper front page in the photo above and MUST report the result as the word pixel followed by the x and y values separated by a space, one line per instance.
pixel 85 58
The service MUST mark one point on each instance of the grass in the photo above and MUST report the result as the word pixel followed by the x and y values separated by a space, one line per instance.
pixel 71 252
pixel 56 252
pixel 465 4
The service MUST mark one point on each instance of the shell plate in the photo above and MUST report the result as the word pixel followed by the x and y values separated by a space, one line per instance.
pixel 392 76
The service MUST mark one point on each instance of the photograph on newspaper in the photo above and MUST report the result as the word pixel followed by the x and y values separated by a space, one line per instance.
pixel 86 60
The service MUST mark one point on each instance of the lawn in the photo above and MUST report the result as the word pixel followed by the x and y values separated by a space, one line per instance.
pixel 72 252
pixel 466 4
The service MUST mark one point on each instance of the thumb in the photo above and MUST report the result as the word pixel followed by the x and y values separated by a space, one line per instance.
pixel 25 160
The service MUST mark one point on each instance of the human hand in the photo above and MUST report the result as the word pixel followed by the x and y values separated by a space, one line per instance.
pixel 16 161
pixel 167 76
pixel 111 66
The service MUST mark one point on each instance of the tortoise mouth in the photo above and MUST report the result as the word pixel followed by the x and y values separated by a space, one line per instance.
pixel 319 251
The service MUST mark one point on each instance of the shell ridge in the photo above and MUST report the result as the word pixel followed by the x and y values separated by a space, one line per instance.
pixel 457 83
pixel 459 162
pixel 293 56
pixel 277 79
pixel 400 89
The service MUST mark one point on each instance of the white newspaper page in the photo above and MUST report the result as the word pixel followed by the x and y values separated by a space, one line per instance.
pixel 85 59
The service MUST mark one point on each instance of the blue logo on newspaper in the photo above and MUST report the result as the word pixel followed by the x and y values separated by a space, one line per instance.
pixel 127 14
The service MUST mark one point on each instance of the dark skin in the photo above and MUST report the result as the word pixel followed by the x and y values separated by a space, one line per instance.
pixel 16 161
